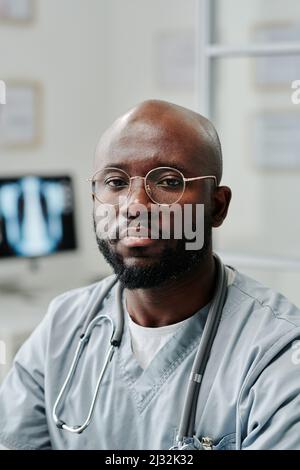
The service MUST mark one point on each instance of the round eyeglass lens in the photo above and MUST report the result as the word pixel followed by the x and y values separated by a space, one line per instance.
pixel 111 185
pixel 165 185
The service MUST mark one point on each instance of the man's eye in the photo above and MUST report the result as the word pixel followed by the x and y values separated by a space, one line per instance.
pixel 116 183
pixel 169 182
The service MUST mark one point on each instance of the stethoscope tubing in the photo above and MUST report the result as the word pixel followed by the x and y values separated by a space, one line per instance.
pixel 187 422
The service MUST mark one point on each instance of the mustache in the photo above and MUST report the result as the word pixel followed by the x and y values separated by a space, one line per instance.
pixel 118 230
pixel 136 229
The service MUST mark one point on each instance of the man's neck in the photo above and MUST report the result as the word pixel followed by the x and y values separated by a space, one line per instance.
pixel 175 300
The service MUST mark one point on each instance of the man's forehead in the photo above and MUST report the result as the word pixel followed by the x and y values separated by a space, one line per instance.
pixel 150 138
pixel 157 131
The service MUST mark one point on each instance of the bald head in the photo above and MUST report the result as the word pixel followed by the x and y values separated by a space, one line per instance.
pixel 169 128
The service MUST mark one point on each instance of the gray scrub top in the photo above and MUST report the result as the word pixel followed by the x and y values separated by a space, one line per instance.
pixel 249 397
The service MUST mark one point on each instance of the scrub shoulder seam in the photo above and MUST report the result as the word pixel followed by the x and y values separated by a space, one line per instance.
pixel 276 314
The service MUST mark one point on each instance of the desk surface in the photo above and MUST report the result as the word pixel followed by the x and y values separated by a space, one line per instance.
pixel 24 307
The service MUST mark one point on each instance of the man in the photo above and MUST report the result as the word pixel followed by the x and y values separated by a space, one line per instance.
pixel 158 155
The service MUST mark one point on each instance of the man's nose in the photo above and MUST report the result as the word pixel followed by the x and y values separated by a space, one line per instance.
pixel 137 193
pixel 137 196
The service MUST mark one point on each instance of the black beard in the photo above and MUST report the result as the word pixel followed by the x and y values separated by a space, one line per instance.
pixel 172 265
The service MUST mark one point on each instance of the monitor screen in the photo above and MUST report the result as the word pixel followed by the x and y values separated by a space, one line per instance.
pixel 36 216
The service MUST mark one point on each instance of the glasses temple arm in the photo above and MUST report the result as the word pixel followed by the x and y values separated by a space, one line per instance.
pixel 201 178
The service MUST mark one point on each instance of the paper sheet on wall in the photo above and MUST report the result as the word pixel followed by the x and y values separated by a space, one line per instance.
pixel 277 140
pixel 18 116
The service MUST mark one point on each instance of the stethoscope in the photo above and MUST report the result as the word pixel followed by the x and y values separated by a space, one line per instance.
pixel 185 437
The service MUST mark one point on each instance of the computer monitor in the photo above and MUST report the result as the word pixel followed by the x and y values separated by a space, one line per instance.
pixel 36 216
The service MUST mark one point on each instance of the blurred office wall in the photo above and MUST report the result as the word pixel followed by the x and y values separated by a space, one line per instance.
pixel 259 129
pixel 92 61
pixel 149 52
pixel 63 50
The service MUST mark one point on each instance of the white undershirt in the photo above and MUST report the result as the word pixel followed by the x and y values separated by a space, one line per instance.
pixel 147 341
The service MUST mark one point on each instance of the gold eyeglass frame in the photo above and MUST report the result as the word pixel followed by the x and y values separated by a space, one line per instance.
pixel 147 190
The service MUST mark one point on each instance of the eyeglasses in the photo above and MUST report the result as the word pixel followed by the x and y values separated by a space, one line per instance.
pixel 163 185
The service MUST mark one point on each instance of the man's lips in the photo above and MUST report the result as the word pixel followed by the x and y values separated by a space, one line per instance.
pixel 132 236
pixel 136 232
pixel 137 241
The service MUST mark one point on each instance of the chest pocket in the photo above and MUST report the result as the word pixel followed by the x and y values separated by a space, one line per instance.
pixel 226 443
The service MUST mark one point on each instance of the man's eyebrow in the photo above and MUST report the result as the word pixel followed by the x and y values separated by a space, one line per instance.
pixel 120 166
pixel 124 166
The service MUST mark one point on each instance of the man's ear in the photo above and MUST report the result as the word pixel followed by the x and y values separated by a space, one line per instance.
pixel 220 203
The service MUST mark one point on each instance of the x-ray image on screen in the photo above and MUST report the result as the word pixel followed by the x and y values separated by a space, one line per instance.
pixel 36 216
